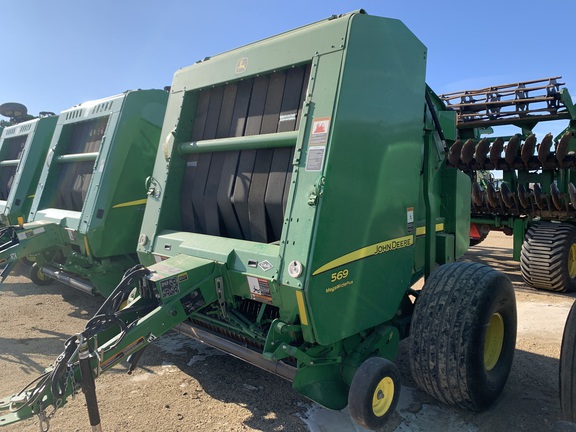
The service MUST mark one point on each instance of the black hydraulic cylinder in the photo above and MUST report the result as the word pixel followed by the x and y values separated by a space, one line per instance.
pixel 89 387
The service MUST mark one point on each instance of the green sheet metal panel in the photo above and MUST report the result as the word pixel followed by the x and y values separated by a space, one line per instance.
pixel 362 257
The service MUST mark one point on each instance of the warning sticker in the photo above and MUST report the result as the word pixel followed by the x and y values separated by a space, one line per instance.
pixel 315 158
pixel 169 287
pixel 320 127
pixel 410 220
pixel 30 233
pixel 160 271
pixel 259 289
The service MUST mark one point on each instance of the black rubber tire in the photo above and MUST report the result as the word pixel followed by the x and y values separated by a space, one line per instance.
pixel 38 277
pixel 567 376
pixel 364 387
pixel 449 331
pixel 545 256
pixel 564 426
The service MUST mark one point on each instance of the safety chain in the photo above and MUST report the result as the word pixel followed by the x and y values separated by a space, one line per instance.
pixel 70 379
pixel 45 419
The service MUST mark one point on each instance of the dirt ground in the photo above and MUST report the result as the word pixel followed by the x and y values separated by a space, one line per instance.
pixel 182 385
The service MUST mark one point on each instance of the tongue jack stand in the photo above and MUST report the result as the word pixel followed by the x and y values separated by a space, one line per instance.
pixel 88 385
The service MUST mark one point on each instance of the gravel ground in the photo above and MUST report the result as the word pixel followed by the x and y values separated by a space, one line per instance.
pixel 182 385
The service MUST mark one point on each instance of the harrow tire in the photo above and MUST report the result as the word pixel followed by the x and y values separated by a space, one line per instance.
pixel 463 335
pixel 475 242
pixel 38 277
pixel 374 393
pixel 567 376
pixel 548 258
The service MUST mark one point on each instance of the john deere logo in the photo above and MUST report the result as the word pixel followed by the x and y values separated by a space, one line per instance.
pixel 242 65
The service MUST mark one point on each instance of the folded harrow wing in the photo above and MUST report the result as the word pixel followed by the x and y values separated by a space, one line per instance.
pixel 23 149
pixel 536 202
pixel 84 219
pixel 299 191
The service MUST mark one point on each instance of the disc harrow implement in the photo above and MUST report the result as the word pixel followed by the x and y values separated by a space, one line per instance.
pixel 538 172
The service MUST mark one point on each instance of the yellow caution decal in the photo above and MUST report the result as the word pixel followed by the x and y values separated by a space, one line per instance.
pixel 420 231
pixel 131 203
pixel 368 251
pixel 301 308
pixel 86 246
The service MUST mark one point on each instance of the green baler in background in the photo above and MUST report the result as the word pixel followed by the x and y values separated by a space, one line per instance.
pixel 23 149
pixel 299 192
pixel 85 216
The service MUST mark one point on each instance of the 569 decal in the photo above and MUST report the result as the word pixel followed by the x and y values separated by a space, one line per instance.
pixel 342 274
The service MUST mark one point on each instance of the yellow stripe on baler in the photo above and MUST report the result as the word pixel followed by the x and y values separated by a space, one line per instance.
pixel 301 308
pixel 131 203
pixel 368 251
pixel 420 231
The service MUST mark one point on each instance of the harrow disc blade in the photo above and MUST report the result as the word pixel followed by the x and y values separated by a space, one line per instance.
pixel 454 152
pixel 512 150
pixel 467 152
pixel 544 148
pixel 524 196
pixel 539 197
pixel 528 148
pixel 507 196
pixel 557 196
pixel 482 150
pixel 562 149
pixel 496 151
pixel 491 195
pixel 572 193
pixel 478 194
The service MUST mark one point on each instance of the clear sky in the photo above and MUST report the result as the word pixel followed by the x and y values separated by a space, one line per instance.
pixel 56 54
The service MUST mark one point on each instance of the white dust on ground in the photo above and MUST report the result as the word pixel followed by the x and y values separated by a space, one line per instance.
pixel 535 320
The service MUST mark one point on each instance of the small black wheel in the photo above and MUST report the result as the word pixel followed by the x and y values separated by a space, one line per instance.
pixel 568 368
pixel 374 393
pixel 38 277
pixel 463 335
pixel 26 261
pixel 548 258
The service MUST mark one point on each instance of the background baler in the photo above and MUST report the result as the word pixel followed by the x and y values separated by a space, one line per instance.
pixel 299 191
pixel 23 149
pixel 89 201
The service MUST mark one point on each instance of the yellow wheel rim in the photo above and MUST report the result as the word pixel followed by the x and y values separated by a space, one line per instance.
pixel 572 261
pixel 494 341
pixel 383 396
pixel 41 275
